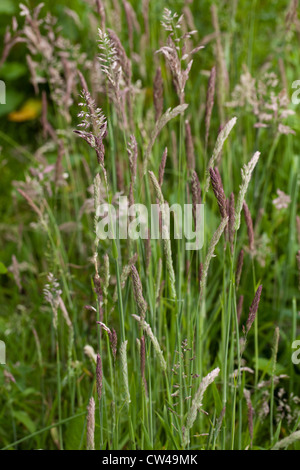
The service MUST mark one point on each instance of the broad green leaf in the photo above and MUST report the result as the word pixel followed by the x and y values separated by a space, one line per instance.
pixel 23 418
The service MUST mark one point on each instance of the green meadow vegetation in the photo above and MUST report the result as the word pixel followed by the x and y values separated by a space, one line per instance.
pixel 123 344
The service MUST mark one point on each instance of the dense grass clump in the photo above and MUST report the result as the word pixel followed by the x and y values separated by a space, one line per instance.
pixel 140 343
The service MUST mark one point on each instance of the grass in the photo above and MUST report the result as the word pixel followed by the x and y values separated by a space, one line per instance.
pixel 185 374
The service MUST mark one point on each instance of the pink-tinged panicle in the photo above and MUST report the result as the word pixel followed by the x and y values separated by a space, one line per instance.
pixel 94 124
pixel 190 152
pixel 292 14
pixel 32 66
pixel 209 102
pixel 99 376
pixel 253 309
pixel 240 308
pixel 113 342
pixel 125 274
pixel 90 435
pixel 132 151
pixel 138 293
pixel 175 53
pixel 239 268
pixel 121 55
pixel 101 13
pixel 249 224
pixel 162 166
pixel 218 191
pixel 10 40
pixel 196 193
pixel 9 378
pixel 282 201
pixel 158 94
pixel 143 363
pixel 113 339
pixel 115 65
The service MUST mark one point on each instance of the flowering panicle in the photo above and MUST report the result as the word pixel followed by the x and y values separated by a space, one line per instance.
pixel 153 339
pixel 138 294
pixel 253 309
pixel 218 191
pixel 269 106
pixel 92 116
pixel 108 57
pixel 52 293
pixel 179 74
pixel 175 51
pixel 125 274
pixel 197 403
pixel 246 171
